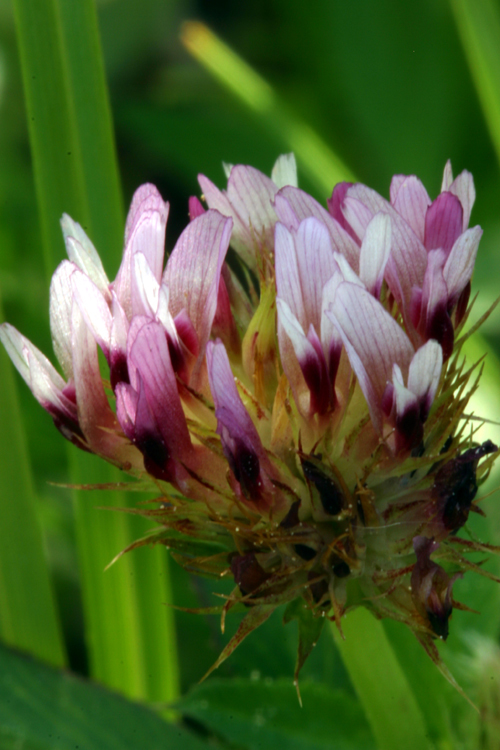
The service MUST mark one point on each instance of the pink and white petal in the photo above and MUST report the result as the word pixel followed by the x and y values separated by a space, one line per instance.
pixel 284 171
pixel 434 288
pixel 404 399
pixel 412 202
pixel 316 265
pixel 304 206
pixel 144 233
pixel 459 265
pixel 94 309
pixel 61 302
pixel 97 421
pixel 83 254
pixel 443 222
pixel 145 288
pixel 375 250
pixel 285 213
pixel 126 408
pixel 288 282
pixel 447 177
pixel 396 183
pixel 38 373
pixel 194 269
pixel 302 346
pixel 251 194
pixel 424 373
pixel 357 215
pixel 150 358
pixel 407 262
pixel 463 187
pixel 373 341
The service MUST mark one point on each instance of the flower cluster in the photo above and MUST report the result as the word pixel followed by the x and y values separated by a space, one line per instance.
pixel 299 409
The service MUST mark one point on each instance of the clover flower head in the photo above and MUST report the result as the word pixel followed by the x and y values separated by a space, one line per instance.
pixel 299 410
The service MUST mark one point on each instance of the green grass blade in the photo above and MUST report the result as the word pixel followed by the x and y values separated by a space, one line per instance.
pixel 381 685
pixel 28 616
pixel 478 24
pixel 130 637
pixel 315 158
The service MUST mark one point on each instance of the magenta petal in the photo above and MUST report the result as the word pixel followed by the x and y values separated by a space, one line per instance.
pixel 240 441
pixel 195 208
pixel 150 361
pixel 443 222
pixel 335 204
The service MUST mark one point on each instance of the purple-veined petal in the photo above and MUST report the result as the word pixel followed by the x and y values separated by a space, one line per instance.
pixel 459 265
pixel 304 206
pixel 61 302
pixel 194 269
pixel 284 171
pixel 374 254
pixel 357 214
pixel 118 345
pixel 83 254
pixel 443 222
pixel 94 309
pixel 305 352
pixel 373 340
pixel 335 208
pixel 435 321
pixel 126 408
pixel 411 200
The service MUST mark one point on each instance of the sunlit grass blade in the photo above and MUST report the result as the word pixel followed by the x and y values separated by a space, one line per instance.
pixel 382 687
pixel 132 644
pixel 478 24
pixel 315 158
pixel 28 616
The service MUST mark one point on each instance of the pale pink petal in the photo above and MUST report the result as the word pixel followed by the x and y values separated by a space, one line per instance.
pixel 459 265
pixel 61 302
pixel 411 202
pixel 285 171
pixel 357 214
pixel 335 204
pixel 94 309
pixel 396 183
pixel 435 321
pixel 463 187
pixel 145 233
pixel 424 373
pixel 145 287
pixel 447 177
pixel 194 269
pixel 304 206
pixel 443 222
pixel 83 254
pixel 303 348
pixel 375 250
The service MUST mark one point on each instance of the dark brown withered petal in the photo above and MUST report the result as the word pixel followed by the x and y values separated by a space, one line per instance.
pixel 247 572
pixel 331 496
pixel 455 485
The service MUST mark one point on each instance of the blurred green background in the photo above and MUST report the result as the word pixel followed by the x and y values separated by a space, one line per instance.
pixel 386 85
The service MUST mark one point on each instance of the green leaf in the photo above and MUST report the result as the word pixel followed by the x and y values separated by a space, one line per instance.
pixel 310 628
pixel 265 715
pixel 382 686
pixel 478 24
pixel 28 616
pixel 130 634
pixel 44 709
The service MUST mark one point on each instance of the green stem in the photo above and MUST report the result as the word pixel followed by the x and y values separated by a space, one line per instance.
pixel 381 685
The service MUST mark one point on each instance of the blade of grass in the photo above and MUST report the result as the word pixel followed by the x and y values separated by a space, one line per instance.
pixel 478 23
pixel 315 158
pixel 28 616
pixel 132 646
pixel 381 685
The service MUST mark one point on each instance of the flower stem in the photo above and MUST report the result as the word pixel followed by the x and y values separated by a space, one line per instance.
pixel 380 683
